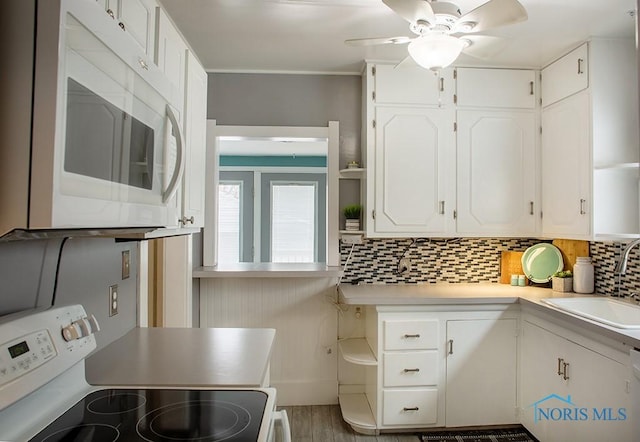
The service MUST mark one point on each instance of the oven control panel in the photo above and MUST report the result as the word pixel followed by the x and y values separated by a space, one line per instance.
pixel 24 354
pixel 38 345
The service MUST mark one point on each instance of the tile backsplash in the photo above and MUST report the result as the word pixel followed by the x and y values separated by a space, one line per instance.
pixel 472 260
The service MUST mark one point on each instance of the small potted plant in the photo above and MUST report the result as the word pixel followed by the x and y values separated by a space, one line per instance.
pixel 562 281
pixel 352 215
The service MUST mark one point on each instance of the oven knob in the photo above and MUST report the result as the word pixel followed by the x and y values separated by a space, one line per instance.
pixel 85 327
pixel 71 332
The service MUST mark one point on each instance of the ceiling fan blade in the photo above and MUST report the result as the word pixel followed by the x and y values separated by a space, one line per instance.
pixel 484 46
pixel 378 41
pixel 492 14
pixel 412 10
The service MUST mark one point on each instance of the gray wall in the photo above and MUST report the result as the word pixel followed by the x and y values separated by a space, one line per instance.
pixel 88 266
pixel 290 100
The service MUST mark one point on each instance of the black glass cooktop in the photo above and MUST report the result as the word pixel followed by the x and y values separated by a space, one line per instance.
pixel 161 415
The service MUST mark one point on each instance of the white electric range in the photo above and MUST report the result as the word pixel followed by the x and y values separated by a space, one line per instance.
pixel 44 395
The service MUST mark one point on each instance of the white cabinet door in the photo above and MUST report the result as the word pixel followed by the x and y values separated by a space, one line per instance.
pixel 481 372
pixel 566 76
pixel 570 392
pixel 412 170
pixel 138 18
pixel 171 57
pixel 566 167
pixel 496 172
pixel 407 85
pixel 195 139
pixel 541 354
pixel 490 88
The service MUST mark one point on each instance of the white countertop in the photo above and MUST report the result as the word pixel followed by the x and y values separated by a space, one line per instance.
pixel 478 294
pixel 268 270
pixel 184 357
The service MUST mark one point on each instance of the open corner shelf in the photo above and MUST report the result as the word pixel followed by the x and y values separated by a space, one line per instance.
pixel 357 413
pixel 357 351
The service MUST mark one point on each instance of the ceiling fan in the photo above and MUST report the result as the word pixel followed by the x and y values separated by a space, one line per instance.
pixel 442 32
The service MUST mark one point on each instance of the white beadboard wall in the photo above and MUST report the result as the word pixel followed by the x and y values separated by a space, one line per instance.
pixel 304 358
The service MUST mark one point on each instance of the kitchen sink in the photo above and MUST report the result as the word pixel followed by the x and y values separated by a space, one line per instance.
pixel 602 309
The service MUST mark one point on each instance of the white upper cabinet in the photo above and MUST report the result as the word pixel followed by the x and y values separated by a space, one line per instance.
pixel 410 152
pixel 566 169
pixel 496 165
pixel 171 56
pixel 195 138
pixel 590 153
pixel 407 85
pixel 137 18
pixel 411 180
pixel 566 76
pixel 491 88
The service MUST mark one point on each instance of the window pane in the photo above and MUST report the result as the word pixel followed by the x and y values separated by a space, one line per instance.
pixel 293 223
pixel 229 222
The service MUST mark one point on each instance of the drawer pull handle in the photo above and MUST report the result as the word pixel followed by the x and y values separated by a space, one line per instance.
pixel 411 370
pixel 580 70
pixel 450 346
pixel 560 361
pixel 417 335
pixel 564 371
pixel 410 409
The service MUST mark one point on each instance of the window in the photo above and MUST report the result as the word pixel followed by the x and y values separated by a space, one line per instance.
pixel 250 202
pixel 291 208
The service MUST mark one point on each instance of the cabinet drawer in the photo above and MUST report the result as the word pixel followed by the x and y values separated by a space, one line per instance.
pixel 411 335
pixel 410 407
pixel 410 369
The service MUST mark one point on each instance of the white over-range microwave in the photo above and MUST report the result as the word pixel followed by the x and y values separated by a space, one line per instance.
pixel 106 148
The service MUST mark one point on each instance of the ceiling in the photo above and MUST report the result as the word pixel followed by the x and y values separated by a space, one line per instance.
pixel 307 36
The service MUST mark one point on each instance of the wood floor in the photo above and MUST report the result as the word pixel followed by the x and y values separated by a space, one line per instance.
pixel 323 423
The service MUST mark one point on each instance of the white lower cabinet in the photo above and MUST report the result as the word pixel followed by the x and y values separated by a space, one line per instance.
pixel 481 372
pixel 433 367
pixel 573 388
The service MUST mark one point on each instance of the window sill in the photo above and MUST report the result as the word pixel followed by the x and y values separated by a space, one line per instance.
pixel 268 270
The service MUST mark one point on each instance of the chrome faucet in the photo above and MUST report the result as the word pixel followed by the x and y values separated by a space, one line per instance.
pixel 621 267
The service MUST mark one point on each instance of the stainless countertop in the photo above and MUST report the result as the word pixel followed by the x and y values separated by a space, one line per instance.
pixel 184 357
pixel 478 294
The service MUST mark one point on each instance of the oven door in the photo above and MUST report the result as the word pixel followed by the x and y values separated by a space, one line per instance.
pixel 118 149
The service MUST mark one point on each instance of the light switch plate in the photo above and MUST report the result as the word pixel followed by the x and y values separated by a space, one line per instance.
pixel 125 264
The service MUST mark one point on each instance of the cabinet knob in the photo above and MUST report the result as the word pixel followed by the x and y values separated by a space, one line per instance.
pixel 143 64
pixel 110 12
pixel 122 26
pixel 184 220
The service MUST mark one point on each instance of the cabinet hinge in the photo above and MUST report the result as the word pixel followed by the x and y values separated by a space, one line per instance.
pixel 540 129
pixel 455 214
pixel 455 126
pixel 455 98
pixel 373 95
pixel 373 70
pixel 455 74
pixel 373 214
pixel 373 123
pixel 540 101
pixel 441 84
pixel 541 214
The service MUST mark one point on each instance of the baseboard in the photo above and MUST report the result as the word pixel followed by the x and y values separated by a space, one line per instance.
pixel 306 392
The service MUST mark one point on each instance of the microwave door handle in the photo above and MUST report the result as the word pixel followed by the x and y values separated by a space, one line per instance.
pixel 179 170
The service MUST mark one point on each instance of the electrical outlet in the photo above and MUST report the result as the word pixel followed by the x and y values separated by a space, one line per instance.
pixel 125 264
pixel 113 300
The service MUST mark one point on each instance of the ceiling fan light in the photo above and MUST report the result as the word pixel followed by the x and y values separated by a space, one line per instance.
pixel 466 26
pixel 435 51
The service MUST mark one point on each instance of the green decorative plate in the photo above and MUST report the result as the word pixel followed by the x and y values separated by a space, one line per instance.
pixel 541 261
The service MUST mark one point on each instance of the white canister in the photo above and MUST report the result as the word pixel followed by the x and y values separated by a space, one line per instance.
pixel 583 275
